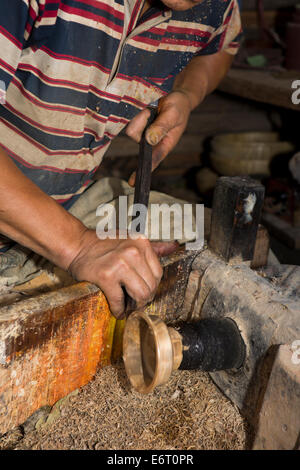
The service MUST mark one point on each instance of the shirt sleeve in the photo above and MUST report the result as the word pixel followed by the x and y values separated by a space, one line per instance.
pixel 228 35
pixel 16 18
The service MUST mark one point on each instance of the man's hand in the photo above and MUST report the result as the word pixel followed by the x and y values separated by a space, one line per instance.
pixel 113 264
pixel 165 132
pixel 199 78
pixel 35 220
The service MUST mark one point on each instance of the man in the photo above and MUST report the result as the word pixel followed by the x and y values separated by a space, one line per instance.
pixel 76 72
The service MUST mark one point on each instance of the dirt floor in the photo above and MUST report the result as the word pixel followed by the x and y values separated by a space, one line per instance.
pixel 187 413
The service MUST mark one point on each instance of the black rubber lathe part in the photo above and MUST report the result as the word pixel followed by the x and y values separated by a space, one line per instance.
pixel 212 344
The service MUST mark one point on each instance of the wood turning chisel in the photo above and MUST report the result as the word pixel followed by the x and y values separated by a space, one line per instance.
pixel 142 191
pixel 143 173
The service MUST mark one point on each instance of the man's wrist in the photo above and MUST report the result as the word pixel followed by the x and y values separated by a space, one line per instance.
pixel 87 240
pixel 193 98
pixel 71 246
pixel 187 95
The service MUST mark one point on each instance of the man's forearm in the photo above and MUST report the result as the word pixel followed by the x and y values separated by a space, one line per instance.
pixel 34 219
pixel 202 75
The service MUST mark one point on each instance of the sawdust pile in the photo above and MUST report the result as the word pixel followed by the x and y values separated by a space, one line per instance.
pixel 187 413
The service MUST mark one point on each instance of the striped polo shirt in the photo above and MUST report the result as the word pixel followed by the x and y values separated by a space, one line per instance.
pixel 76 72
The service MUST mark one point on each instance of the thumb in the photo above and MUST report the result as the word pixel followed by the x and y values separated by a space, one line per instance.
pixel 155 134
pixel 161 126
pixel 165 248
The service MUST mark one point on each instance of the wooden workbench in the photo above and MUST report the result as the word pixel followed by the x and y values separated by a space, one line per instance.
pixel 273 88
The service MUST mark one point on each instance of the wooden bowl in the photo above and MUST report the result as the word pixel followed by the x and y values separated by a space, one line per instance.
pixel 246 153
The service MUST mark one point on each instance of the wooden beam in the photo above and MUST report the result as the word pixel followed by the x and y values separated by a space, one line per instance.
pixel 49 346
pixel 279 418
pixel 265 307
pixel 262 86
pixel 261 249
pixel 54 343
pixel 282 230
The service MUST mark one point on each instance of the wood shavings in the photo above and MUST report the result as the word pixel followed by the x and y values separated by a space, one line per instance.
pixel 108 414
